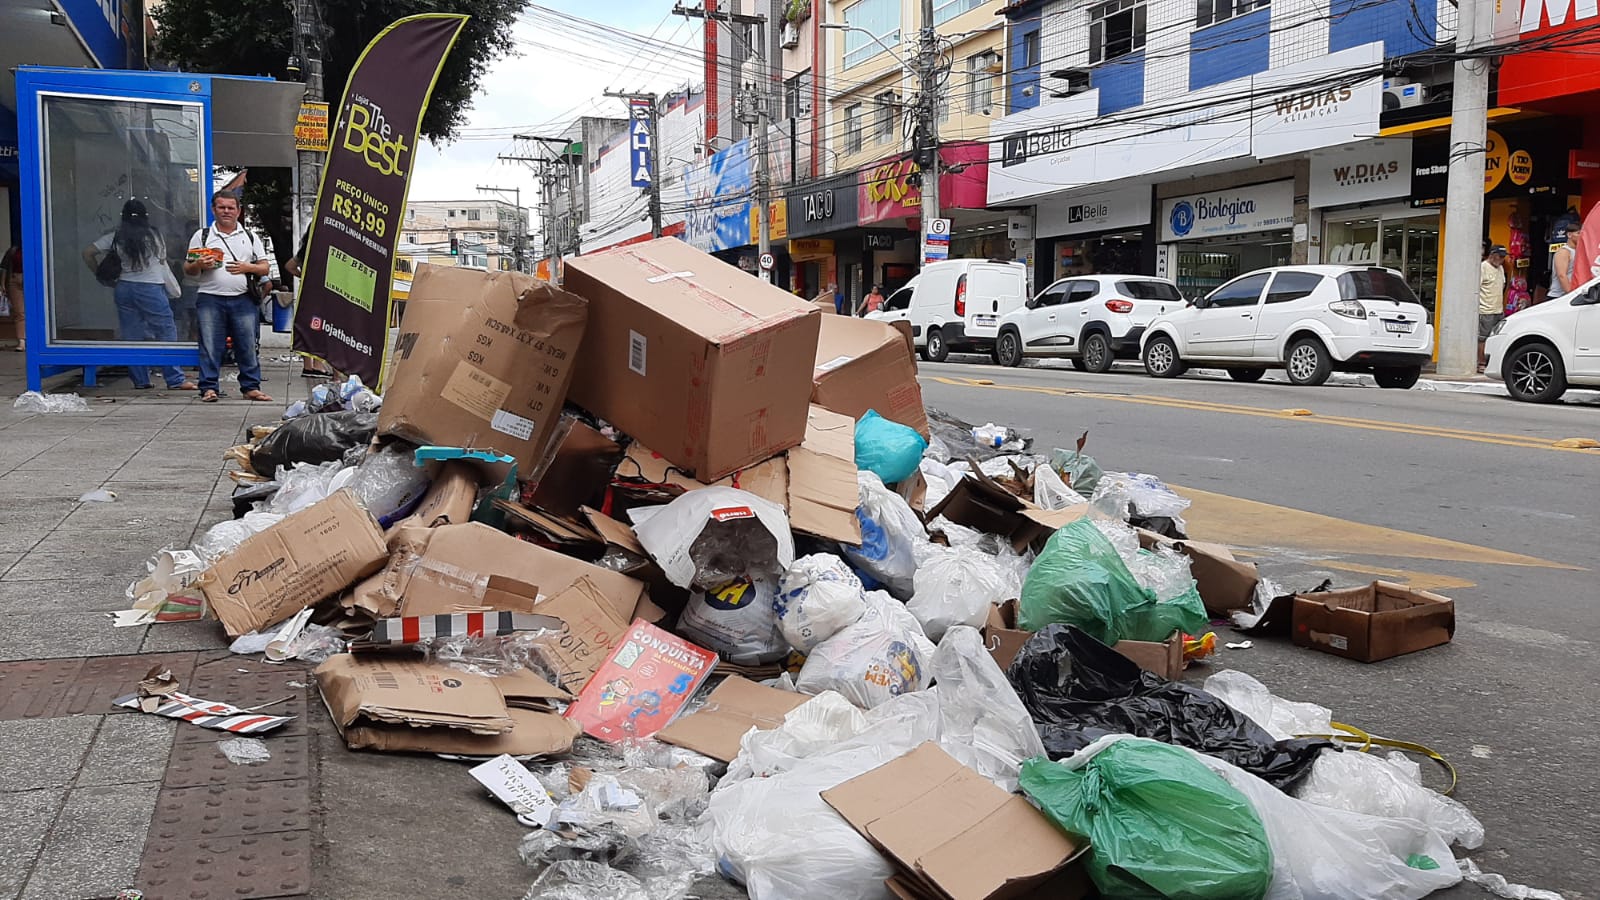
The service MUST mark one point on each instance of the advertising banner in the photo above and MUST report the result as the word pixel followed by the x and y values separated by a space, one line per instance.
pixel 641 142
pixel 717 195
pixel 342 313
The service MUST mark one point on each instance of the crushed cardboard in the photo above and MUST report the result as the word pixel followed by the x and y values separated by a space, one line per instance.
pixel 978 501
pixel 864 364
pixel 1004 641
pixel 1225 584
pixel 734 707
pixel 448 501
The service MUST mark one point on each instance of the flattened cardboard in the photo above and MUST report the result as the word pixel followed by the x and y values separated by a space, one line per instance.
pixel 978 501
pixel 594 624
pixel 449 499
pixel 953 833
pixel 613 532
pixel 1375 622
pixel 307 557
pixel 864 364
pixel 483 360
pixel 403 690
pixel 768 479
pixel 734 707
pixel 692 356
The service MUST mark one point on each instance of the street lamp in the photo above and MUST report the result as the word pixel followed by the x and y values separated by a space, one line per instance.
pixel 841 26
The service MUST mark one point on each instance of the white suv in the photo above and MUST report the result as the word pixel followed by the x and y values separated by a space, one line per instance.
pixel 1541 351
pixel 1309 320
pixel 1091 319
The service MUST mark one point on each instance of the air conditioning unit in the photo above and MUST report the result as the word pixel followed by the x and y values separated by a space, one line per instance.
pixel 1403 94
pixel 1077 81
pixel 790 36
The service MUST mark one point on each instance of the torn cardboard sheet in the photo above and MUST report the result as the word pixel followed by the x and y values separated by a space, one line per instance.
pixel 449 499
pixel 733 708
pixel 978 501
pixel 207 713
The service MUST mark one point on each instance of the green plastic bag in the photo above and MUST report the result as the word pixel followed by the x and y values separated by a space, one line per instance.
pixel 1080 580
pixel 1161 826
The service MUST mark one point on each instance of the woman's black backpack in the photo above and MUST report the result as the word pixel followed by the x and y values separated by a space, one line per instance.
pixel 109 269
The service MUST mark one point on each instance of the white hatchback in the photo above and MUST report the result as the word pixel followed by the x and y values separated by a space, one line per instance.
pixel 1541 351
pixel 1308 320
pixel 1092 320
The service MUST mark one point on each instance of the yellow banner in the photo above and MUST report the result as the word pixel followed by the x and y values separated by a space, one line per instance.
pixel 311 127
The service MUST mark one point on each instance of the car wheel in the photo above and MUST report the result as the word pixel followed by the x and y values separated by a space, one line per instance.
pixel 1308 363
pixel 1008 349
pixel 1161 358
pixel 1397 377
pixel 1247 375
pixel 936 350
pixel 1534 374
pixel 1097 355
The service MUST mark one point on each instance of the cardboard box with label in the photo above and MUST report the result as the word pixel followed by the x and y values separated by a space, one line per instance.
pixel 1004 640
pixel 733 708
pixel 864 364
pixel 701 362
pixel 1378 621
pixel 954 835
pixel 483 361
pixel 308 557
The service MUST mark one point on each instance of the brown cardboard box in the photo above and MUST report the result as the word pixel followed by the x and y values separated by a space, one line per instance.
pixel 449 499
pixel 309 556
pixel 1165 658
pixel 579 470
pixel 864 364
pixel 736 706
pixel 978 501
pixel 1225 584
pixel 1004 641
pixel 484 359
pixel 1374 622
pixel 952 833
pixel 692 356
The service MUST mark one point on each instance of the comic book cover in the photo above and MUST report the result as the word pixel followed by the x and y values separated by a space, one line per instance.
pixel 642 686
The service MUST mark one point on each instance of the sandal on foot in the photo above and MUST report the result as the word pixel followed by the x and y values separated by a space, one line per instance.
pixel 258 396
pixel 209 397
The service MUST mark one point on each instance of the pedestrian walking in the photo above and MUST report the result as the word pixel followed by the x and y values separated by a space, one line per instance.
pixel 11 291
pixel 1491 296
pixel 133 259
pixel 224 256
pixel 874 299
pixel 1563 262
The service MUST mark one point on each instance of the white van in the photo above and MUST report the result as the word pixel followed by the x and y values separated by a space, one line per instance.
pixel 957 304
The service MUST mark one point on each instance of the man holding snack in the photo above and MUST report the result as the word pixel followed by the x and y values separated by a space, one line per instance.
pixel 223 256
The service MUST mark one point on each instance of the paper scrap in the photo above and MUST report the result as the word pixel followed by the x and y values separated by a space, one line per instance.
pixel 98 496
pixel 516 787
pixel 208 713
pixel 1241 645
pixel 277 649
pixel 158 684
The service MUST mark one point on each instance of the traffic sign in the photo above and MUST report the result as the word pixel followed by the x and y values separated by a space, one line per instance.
pixel 768 260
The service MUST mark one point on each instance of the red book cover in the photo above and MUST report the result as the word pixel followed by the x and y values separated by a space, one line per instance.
pixel 642 686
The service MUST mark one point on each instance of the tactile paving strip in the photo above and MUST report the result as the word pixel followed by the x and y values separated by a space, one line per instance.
pixel 228 868
pixel 248 684
pixel 38 689
pixel 199 763
pixel 231 810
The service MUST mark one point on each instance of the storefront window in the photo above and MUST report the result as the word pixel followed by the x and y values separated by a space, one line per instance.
pixel 1408 244
pixel 99 154
pixel 1203 267
pixel 1110 255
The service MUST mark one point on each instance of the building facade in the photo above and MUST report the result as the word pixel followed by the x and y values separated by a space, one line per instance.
pixel 487 234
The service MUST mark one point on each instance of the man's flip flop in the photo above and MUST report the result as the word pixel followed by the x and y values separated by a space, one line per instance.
pixel 258 397
pixel 209 397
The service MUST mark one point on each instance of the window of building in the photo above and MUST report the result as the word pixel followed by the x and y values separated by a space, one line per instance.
pixel 1116 28
pixel 1030 49
pixel 983 70
pixel 883 127
pixel 411 214
pixel 472 215
pixel 877 19
pixel 945 10
pixel 852 128
pixel 450 214
pixel 1210 12
pixel 797 95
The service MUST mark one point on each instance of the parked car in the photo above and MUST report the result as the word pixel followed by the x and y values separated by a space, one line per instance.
pixel 1308 320
pixel 1092 320
pixel 1545 349
pixel 956 304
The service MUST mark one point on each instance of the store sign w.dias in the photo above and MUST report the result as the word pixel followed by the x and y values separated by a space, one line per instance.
pixel 1362 172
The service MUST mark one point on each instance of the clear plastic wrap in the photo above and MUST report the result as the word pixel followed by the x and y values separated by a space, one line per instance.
pixel 220 539
pixel 982 721
pixel 1121 494
pixel 389 483
pixel 243 751
pixel 817 598
pixel 1164 572
pixel 956 586
pixel 1498 886
pixel 1388 787
pixel 882 655
pixel 35 402
pixel 581 879
pixel 1283 719
pixel 739 621
pixel 303 484
pixel 890 537
pixel 491 655
pixel 316 643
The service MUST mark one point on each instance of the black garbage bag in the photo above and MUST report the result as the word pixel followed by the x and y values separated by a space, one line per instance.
pixel 956 434
pixel 315 438
pixel 1077 690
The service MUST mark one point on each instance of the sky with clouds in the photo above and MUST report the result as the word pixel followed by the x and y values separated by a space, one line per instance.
pixel 562 67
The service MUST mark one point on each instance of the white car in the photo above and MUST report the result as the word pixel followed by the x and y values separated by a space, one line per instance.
pixel 1092 320
pixel 1541 351
pixel 1308 320
pixel 956 304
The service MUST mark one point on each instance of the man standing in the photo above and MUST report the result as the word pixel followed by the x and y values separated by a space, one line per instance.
pixel 222 255
pixel 1491 296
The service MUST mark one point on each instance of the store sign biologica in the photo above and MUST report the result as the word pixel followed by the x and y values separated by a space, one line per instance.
pixel 1257 207
pixel 1361 173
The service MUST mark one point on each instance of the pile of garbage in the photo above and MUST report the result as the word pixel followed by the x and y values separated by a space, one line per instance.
pixel 689 574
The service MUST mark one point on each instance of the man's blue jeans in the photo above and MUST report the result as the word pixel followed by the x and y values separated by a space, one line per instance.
pixel 220 318
pixel 145 314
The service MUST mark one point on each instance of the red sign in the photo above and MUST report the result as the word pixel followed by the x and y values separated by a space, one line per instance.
pixel 1583 164
pixel 886 191
pixel 1545 75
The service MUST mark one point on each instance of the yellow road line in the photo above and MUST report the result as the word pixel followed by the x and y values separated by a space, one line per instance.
pixel 1479 437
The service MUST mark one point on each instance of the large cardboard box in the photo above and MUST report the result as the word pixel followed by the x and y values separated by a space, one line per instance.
pixel 484 359
pixel 1374 622
pixel 953 834
pixel 864 364
pixel 732 709
pixel 697 359
pixel 308 557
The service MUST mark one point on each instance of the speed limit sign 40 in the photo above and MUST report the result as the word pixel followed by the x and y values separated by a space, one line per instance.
pixel 767 260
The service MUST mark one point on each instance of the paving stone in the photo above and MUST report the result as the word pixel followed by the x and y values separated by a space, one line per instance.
pixel 29 688
pixel 230 868
pixel 94 847
pixel 203 634
pixel 51 559
pixel 38 688
pixel 25 817
pixel 129 749
pixel 44 753
pixel 230 810
pixel 199 763
pixel 88 596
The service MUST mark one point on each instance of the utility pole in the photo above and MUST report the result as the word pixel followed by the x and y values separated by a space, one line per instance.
pixel 308 44
pixel 654 118
pixel 552 173
pixel 518 261
pixel 1463 209
pixel 928 153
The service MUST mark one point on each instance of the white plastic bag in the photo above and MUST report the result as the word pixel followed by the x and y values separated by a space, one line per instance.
pixel 1149 495
pixel 744 536
pixel 940 479
pixel 818 598
pixel 737 621
pixel 35 402
pixel 303 484
pixel 1387 786
pixel 983 723
pixel 882 655
pixel 890 536
pixel 389 482
pixel 956 586
pixel 1283 719
pixel 222 537
pixel 1050 492
pixel 1320 853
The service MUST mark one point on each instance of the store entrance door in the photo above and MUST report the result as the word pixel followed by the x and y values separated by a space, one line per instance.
pixel 1411 247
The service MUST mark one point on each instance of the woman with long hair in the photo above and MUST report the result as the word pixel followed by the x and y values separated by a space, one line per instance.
pixel 144 289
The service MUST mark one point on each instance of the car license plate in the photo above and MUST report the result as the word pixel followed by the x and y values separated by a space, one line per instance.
pixel 1398 327
pixel 984 320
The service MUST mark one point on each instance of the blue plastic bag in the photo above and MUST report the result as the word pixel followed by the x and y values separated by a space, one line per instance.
pixel 887 449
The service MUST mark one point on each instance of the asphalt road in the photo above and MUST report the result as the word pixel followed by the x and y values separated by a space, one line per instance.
pixel 1458 492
